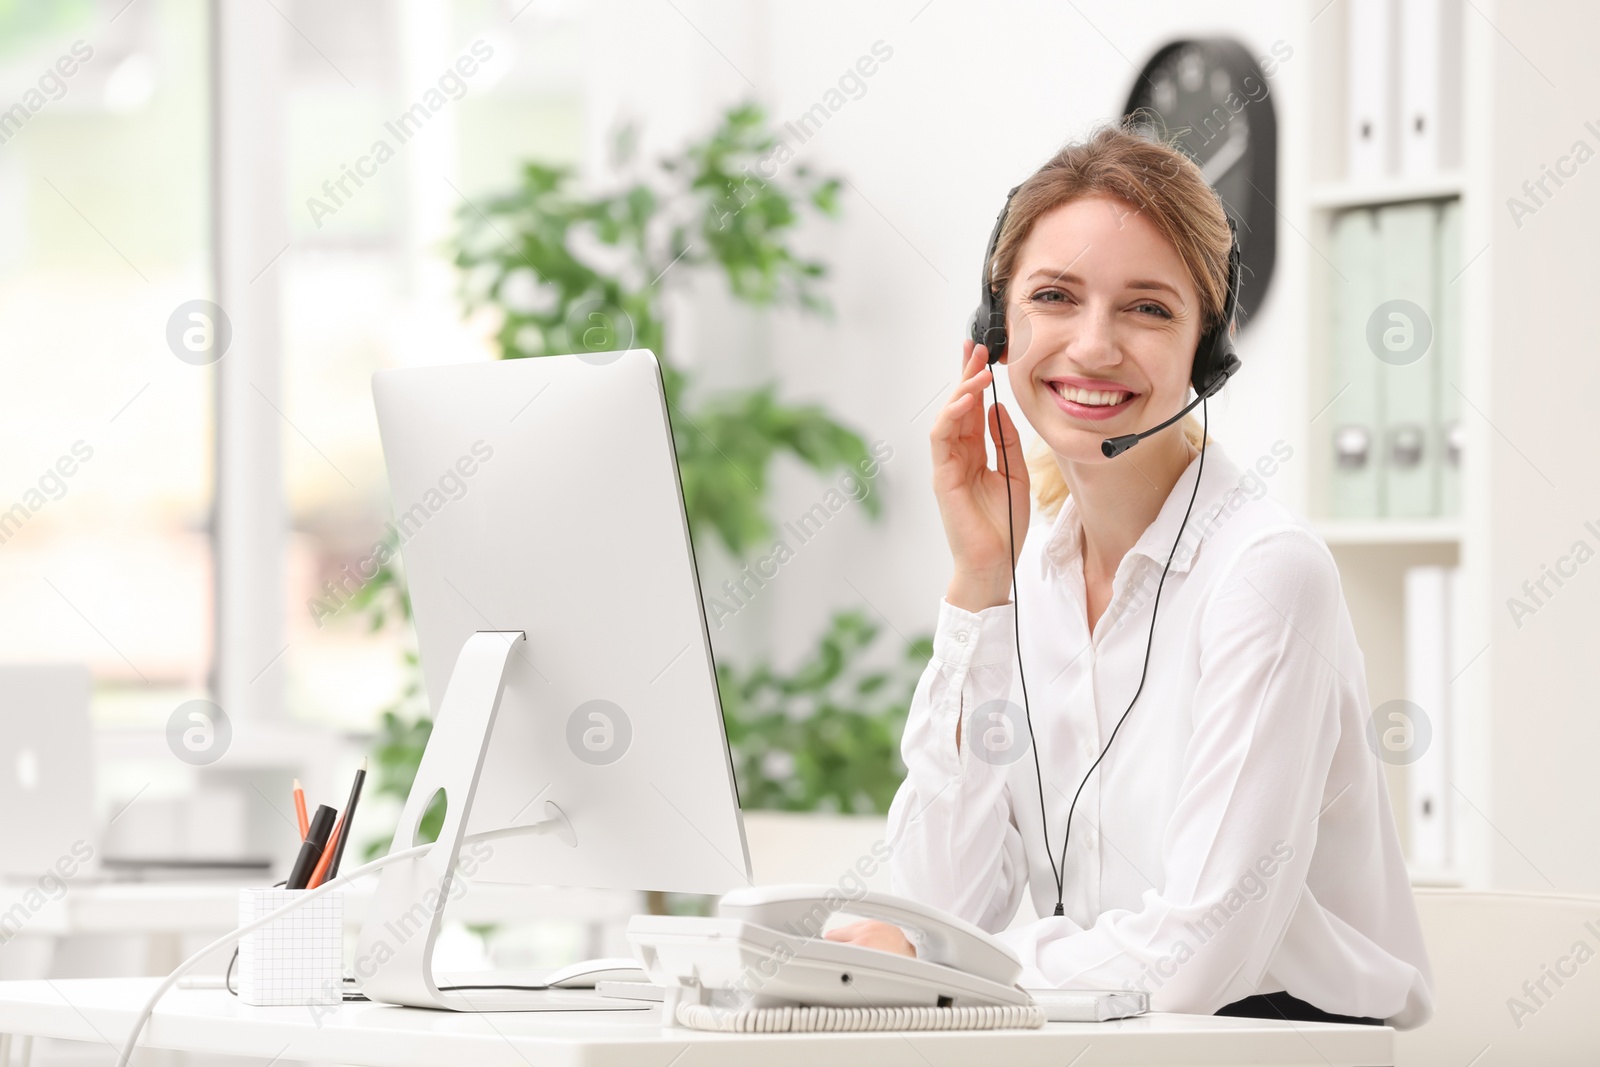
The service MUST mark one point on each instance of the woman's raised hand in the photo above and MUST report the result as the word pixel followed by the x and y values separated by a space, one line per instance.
pixel 971 495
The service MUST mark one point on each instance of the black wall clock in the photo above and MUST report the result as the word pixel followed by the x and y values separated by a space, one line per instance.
pixel 1214 100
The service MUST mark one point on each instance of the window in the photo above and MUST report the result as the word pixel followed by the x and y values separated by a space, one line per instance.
pixel 393 126
pixel 105 436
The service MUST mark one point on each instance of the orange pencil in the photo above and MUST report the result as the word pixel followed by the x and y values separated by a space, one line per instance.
pixel 300 810
pixel 321 869
pixel 328 866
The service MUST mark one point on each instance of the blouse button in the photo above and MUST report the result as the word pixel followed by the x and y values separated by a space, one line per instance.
pixel 962 637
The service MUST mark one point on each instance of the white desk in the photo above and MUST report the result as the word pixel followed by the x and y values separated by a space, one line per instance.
pixel 101 1010
pixel 162 912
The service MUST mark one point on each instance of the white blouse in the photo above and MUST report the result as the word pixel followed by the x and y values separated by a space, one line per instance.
pixel 1237 838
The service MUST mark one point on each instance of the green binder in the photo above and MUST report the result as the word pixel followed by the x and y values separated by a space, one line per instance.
pixel 1402 335
pixel 1447 336
pixel 1351 423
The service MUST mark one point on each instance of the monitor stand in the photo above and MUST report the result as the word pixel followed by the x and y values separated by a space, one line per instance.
pixel 394 953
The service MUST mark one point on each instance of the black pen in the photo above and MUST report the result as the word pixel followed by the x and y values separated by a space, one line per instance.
pixel 311 850
pixel 349 817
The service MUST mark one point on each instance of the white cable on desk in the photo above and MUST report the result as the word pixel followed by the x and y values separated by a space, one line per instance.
pixel 234 936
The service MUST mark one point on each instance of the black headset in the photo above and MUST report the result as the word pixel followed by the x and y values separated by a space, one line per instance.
pixel 1215 361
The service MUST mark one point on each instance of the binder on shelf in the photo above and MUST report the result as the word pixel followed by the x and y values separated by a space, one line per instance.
pixel 1447 336
pixel 1370 88
pixel 1409 361
pixel 1429 610
pixel 1429 112
pixel 1353 418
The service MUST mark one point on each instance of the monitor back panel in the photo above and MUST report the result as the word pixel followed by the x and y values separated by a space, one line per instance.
pixel 542 495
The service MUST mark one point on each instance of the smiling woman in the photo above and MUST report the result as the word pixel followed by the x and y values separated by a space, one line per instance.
pixel 1239 760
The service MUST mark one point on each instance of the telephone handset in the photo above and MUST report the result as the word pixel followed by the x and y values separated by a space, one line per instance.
pixel 764 952
pixel 938 936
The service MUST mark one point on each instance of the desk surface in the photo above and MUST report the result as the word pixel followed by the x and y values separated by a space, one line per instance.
pixel 102 1009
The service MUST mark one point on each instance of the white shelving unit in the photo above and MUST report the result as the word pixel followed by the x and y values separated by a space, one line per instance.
pixel 1340 533
pixel 1338 195
pixel 1374 554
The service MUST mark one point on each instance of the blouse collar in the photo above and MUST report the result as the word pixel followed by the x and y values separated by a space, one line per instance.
pixel 1064 545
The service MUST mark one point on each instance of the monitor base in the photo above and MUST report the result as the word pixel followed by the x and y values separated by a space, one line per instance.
pixel 487 1000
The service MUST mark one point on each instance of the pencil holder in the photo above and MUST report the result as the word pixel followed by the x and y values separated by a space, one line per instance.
pixel 298 959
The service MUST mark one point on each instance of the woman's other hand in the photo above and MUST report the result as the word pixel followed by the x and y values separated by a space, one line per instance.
pixel 870 933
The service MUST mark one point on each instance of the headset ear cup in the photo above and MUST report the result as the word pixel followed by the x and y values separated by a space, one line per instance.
pixel 989 321
pixel 1211 359
pixel 997 341
pixel 988 329
pixel 1215 359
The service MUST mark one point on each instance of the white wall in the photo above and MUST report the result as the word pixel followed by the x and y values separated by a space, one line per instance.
pixel 1539 281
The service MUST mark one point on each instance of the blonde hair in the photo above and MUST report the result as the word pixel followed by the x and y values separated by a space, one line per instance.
pixel 1166 186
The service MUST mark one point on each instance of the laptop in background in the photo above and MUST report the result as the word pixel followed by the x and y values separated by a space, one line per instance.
pixel 46 767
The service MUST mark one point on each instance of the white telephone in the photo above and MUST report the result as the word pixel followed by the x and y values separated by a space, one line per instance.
pixel 762 963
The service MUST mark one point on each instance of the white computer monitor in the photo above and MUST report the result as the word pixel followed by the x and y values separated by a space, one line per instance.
pixel 541 497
